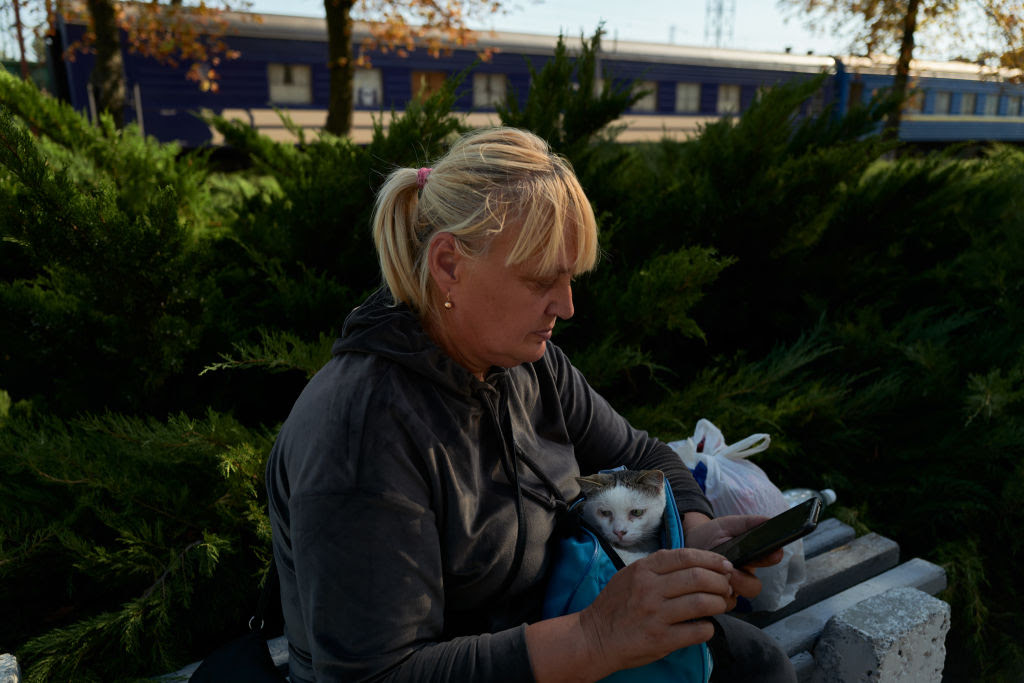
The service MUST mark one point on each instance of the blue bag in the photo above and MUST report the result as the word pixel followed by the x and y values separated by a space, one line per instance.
pixel 584 564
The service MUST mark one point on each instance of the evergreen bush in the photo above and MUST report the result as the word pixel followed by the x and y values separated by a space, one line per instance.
pixel 565 103
pixel 129 544
pixel 103 303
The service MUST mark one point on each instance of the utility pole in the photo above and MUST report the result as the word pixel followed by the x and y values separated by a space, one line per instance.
pixel 21 39
pixel 719 19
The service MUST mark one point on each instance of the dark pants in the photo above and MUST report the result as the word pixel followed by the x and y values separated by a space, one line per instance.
pixel 741 652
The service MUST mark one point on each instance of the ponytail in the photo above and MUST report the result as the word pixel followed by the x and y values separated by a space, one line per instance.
pixel 396 236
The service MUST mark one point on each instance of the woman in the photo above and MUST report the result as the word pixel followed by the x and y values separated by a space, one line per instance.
pixel 415 485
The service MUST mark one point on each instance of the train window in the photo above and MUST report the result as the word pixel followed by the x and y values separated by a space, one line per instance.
pixel 426 83
pixel 687 98
pixel 489 89
pixel 367 90
pixel 728 99
pixel 943 102
pixel 991 104
pixel 915 103
pixel 968 102
pixel 1013 105
pixel 649 100
pixel 290 83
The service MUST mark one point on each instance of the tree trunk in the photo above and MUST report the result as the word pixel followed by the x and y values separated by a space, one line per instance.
pixel 107 79
pixel 21 38
pixel 902 77
pixel 340 65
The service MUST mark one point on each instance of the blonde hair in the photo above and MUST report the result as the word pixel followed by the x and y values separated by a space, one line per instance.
pixel 488 181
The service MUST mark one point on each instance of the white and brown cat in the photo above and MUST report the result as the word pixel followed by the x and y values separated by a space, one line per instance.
pixel 626 507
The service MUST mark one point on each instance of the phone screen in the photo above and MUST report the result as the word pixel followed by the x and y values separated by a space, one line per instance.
pixel 765 538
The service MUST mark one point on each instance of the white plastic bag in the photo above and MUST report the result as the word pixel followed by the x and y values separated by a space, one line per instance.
pixel 736 486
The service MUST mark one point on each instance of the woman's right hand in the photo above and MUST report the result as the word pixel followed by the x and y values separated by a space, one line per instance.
pixel 657 605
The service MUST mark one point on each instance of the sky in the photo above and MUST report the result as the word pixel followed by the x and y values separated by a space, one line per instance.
pixel 757 24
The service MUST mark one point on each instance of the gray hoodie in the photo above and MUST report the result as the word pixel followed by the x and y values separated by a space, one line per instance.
pixel 407 549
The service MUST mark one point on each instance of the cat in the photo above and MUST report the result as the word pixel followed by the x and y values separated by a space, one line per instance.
pixel 626 507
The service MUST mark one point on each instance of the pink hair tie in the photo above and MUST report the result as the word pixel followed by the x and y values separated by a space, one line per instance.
pixel 421 176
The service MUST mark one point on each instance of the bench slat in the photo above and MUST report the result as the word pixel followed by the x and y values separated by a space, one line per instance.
pixel 835 571
pixel 831 533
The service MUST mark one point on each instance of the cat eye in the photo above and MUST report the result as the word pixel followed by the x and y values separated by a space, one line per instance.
pixel 637 513
pixel 605 513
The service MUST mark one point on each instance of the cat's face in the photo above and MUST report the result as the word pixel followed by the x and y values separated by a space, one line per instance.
pixel 625 506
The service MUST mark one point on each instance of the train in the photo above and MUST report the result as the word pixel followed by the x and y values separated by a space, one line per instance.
pixel 282 66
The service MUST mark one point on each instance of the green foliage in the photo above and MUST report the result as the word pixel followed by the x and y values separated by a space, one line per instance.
pixel 277 352
pixel 101 287
pixel 668 286
pixel 119 530
pixel 97 157
pixel 566 104
pixel 422 131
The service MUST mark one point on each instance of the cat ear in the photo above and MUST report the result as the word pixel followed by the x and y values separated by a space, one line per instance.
pixel 594 482
pixel 653 478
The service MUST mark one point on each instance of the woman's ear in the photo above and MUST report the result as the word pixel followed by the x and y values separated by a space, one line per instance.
pixel 443 257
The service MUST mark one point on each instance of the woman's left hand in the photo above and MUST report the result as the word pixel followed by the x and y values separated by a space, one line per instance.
pixel 713 532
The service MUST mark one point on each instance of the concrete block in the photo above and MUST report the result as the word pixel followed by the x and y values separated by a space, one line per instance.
pixel 835 571
pixel 800 631
pixel 10 672
pixel 899 635
pixel 830 533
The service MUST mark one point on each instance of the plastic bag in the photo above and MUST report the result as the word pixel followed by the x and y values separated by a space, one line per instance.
pixel 736 486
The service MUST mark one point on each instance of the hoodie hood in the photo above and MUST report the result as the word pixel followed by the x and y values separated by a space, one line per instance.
pixel 394 331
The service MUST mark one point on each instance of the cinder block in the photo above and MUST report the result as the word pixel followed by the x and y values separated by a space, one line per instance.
pixel 800 631
pixel 899 635
pixel 10 672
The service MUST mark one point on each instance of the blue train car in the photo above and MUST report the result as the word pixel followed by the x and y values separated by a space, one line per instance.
pixel 283 66
pixel 951 101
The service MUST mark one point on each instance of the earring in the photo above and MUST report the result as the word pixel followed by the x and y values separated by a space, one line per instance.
pixel 448 301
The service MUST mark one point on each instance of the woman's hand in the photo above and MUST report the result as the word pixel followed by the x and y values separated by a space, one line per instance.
pixel 657 605
pixel 711 533
pixel 654 606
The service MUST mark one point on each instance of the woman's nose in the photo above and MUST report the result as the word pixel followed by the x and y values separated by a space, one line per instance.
pixel 561 303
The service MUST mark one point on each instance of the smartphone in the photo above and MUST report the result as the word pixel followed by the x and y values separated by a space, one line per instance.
pixel 769 536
